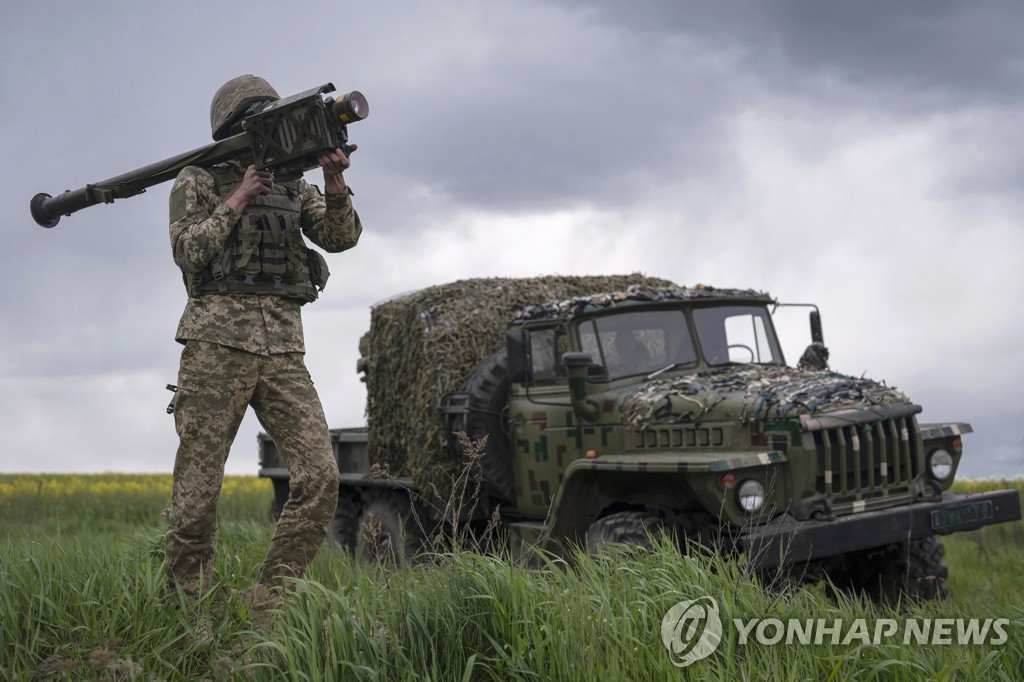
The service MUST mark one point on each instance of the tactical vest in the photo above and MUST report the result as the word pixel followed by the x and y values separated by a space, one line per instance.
pixel 265 252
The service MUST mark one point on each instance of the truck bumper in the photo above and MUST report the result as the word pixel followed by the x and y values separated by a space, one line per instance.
pixel 785 540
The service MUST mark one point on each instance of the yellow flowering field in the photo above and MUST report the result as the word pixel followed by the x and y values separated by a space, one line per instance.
pixel 984 484
pixel 138 499
pixel 72 499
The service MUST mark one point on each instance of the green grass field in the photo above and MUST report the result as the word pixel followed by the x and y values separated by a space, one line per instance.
pixel 82 597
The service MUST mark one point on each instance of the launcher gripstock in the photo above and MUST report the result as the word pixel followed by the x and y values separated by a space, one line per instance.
pixel 286 138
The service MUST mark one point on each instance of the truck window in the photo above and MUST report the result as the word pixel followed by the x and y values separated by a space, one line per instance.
pixel 546 347
pixel 739 334
pixel 638 342
pixel 589 343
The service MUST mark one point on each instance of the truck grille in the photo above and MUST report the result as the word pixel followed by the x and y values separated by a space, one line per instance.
pixel 861 461
pixel 675 437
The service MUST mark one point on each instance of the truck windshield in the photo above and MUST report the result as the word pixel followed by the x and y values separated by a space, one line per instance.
pixel 638 342
pixel 736 333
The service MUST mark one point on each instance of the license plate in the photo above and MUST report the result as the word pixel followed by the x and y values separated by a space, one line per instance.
pixel 963 515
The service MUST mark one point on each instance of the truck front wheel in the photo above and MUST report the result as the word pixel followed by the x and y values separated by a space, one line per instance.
pixel 631 528
pixel 908 569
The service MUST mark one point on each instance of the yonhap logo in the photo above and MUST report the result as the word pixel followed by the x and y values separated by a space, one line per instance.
pixel 691 630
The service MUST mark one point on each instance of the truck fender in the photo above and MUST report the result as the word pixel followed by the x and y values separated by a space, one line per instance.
pixel 596 484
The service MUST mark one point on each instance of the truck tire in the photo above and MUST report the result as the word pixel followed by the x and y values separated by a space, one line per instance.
pixel 389 531
pixel 631 528
pixel 343 530
pixel 279 499
pixel 914 569
pixel 908 569
pixel 487 388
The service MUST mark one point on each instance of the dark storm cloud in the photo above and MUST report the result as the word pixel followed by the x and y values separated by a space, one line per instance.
pixel 614 98
pixel 565 144
pixel 562 112
pixel 923 52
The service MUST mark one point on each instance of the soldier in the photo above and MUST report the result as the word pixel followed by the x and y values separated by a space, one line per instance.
pixel 237 236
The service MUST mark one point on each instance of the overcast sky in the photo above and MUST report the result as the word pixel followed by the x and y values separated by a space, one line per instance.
pixel 864 156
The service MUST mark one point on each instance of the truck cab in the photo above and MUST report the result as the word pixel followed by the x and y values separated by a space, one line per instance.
pixel 623 349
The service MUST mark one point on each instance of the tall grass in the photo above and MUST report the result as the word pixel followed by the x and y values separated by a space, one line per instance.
pixel 91 604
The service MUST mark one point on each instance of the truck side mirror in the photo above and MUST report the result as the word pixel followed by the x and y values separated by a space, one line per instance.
pixel 816 334
pixel 816 354
pixel 574 360
pixel 576 366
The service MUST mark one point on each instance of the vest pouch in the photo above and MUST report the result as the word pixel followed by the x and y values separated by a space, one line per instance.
pixel 221 267
pixel 273 259
pixel 246 247
pixel 318 270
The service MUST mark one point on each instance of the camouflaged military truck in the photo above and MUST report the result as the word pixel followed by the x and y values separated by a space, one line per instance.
pixel 615 408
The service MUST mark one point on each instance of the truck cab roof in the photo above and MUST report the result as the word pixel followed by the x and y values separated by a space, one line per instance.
pixel 637 294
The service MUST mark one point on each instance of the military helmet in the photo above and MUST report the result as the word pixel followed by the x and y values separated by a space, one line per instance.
pixel 233 98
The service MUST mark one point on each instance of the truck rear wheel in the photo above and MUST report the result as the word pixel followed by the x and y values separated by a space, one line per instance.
pixel 280 497
pixel 632 528
pixel 343 530
pixel 487 388
pixel 389 531
pixel 908 569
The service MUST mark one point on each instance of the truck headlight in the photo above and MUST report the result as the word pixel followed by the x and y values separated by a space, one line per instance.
pixel 940 464
pixel 750 495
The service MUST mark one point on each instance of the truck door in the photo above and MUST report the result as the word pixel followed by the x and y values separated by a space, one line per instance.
pixel 541 420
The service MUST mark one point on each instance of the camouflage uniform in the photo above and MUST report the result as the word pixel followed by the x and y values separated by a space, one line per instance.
pixel 241 350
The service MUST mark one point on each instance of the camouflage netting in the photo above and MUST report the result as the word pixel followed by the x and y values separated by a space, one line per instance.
pixel 635 292
pixel 423 346
pixel 766 393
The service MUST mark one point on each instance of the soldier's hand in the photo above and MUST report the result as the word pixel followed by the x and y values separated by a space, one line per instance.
pixel 334 163
pixel 254 183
